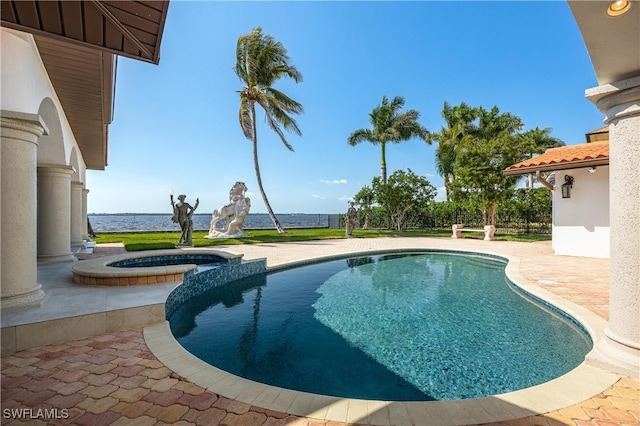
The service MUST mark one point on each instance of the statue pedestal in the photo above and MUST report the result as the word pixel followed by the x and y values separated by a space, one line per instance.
pixel 217 234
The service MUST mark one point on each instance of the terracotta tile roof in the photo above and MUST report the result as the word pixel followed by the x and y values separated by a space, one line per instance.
pixel 604 129
pixel 564 157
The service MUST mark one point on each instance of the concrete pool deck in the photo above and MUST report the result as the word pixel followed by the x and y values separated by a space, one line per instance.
pixel 119 375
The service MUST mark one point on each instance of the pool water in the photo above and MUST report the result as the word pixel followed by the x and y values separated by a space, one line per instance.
pixel 409 327
pixel 169 260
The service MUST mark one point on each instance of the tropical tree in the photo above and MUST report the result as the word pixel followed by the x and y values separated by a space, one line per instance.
pixel 533 205
pixel 537 141
pixel 404 191
pixel 492 147
pixel 493 123
pixel 459 124
pixel 260 62
pixel 390 124
pixel 365 198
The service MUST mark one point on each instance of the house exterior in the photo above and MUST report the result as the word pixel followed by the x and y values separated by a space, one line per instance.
pixel 580 222
pixel 58 68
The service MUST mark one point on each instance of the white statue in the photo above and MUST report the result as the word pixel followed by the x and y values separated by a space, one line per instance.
pixel 233 214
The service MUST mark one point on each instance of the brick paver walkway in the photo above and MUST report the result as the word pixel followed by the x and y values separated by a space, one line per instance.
pixel 115 380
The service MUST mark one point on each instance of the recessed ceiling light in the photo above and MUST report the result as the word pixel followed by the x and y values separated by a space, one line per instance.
pixel 617 8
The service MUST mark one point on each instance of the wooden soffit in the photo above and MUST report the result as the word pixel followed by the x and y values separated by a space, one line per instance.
pixel 79 42
pixel 126 28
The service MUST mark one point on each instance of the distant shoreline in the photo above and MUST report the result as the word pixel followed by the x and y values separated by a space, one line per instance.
pixel 158 222
pixel 202 214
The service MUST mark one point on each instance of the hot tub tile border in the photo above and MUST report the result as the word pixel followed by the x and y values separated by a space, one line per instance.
pixel 194 284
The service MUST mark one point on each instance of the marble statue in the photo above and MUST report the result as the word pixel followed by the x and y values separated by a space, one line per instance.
pixel 182 212
pixel 233 214
pixel 352 216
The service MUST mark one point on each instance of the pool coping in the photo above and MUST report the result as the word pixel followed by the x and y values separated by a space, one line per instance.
pixel 579 384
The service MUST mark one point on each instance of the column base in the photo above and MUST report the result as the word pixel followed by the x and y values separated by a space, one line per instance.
pixel 615 356
pixel 29 299
pixel 53 258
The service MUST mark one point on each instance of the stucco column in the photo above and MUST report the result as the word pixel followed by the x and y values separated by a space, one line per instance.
pixel 19 135
pixel 76 214
pixel 54 192
pixel 619 351
pixel 85 227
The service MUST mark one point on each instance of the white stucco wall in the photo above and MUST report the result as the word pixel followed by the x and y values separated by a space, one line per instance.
pixel 25 85
pixel 581 223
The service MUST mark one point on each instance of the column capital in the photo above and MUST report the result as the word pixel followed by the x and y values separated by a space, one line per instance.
pixel 56 169
pixel 19 121
pixel 77 185
pixel 617 100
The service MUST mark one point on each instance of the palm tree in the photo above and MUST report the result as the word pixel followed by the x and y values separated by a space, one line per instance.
pixel 459 122
pixel 260 62
pixel 493 124
pixel 389 124
pixel 537 141
pixel 494 127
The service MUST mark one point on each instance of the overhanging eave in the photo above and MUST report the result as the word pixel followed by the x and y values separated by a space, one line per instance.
pixel 557 166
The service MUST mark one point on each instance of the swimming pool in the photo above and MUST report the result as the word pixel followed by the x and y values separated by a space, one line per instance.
pixel 388 327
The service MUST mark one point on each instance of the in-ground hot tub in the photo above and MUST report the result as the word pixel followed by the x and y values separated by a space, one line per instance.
pixel 147 267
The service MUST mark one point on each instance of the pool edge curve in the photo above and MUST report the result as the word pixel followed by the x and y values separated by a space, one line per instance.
pixel 577 385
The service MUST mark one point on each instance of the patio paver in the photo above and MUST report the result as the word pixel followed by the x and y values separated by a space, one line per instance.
pixel 119 381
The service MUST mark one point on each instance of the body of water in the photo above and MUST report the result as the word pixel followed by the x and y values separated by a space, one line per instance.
pixel 201 222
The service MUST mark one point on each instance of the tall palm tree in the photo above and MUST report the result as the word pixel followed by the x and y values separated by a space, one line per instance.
pixel 260 62
pixel 390 124
pixel 459 122
pixel 495 128
pixel 493 123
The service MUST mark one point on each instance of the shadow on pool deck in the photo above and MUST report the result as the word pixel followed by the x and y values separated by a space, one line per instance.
pixel 114 378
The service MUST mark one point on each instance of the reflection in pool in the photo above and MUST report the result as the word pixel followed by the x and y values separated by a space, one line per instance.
pixel 392 327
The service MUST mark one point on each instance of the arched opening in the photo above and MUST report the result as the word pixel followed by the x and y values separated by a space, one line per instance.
pixel 53 190
pixel 51 145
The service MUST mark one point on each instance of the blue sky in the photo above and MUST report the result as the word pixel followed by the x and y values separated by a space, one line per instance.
pixel 176 124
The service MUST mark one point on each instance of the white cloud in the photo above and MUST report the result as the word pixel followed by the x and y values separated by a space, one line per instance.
pixel 345 198
pixel 317 196
pixel 334 182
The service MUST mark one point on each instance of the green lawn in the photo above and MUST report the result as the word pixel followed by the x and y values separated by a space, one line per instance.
pixel 162 240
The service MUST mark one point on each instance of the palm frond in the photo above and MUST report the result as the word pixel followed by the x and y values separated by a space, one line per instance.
pixel 362 135
pixel 275 122
pixel 283 101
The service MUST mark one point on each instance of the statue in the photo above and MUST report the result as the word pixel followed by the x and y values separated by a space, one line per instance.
pixel 182 213
pixel 352 216
pixel 233 213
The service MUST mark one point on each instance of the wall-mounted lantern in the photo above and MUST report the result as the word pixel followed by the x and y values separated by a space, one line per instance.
pixel 566 186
